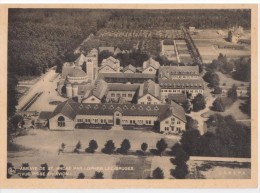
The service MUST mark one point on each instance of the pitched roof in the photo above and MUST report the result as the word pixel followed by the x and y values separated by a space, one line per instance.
pixel 67 108
pixel 99 90
pixel 151 62
pixel 129 67
pixel 175 110
pixel 80 60
pixel 44 115
pixel 182 83
pixel 122 87
pixel 126 77
pixel 167 71
pixel 178 98
pixel 150 87
pixel 71 108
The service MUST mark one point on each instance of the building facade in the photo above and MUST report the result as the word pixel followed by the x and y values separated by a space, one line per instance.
pixel 69 114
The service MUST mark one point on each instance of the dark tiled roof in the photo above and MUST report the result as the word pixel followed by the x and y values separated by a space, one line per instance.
pixel 122 87
pixel 175 110
pixel 150 87
pixel 66 108
pixel 71 109
pixel 182 83
pixel 126 77
pixel 178 98
pixel 45 115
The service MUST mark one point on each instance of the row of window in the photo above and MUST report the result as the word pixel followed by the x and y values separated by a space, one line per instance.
pixel 149 103
pixel 102 121
pixel 119 95
pixel 172 129
pixel 174 91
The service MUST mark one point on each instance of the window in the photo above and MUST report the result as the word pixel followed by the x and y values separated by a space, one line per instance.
pixel 129 95
pixel 123 95
pixel 112 94
pixel 172 119
pixel 80 120
pixel 150 69
pixel 178 122
pixel 166 122
pixel 148 97
pixel 92 99
pixel 118 94
pixel 166 128
pixel 101 120
pixel 61 121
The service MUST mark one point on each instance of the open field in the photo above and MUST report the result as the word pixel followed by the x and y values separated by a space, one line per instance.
pixel 44 151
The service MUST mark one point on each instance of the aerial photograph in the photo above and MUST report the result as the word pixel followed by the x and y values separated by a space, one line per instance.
pixel 129 94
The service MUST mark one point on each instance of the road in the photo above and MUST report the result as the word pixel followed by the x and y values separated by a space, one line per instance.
pixel 45 85
pixel 197 115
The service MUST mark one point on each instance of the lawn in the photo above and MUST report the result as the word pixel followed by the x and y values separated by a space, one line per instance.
pixel 41 146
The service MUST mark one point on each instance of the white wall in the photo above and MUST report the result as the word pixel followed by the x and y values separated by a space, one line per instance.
pixel 53 123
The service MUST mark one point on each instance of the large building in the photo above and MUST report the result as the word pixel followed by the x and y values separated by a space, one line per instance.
pixel 78 76
pixel 109 65
pixel 69 114
pixel 179 72
pixel 181 86
pixel 150 66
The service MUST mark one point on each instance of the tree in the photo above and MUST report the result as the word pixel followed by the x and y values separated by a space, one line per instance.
pixel 158 173
pixel 61 173
pixel 11 93
pixel 81 176
pixel 92 146
pixel 246 106
pixel 217 90
pixel 180 155
pixel 212 78
pixel 125 146
pixel 98 175
pixel 43 171
pixel 144 147
pixel 242 69
pixel 190 142
pixel 218 105
pixel 104 55
pixel 161 146
pixel 78 147
pixel 232 93
pixel 187 106
pixel 191 123
pixel 199 103
pixel 180 172
pixel 109 147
